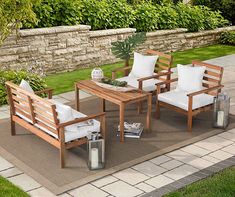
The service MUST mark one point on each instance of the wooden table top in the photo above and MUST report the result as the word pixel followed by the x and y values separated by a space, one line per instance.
pixel 111 95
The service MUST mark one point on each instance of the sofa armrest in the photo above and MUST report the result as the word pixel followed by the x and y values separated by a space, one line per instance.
pixel 77 120
pixel 47 91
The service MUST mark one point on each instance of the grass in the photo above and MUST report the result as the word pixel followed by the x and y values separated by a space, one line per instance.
pixel 64 82
pixel 221 184
pixel 7 189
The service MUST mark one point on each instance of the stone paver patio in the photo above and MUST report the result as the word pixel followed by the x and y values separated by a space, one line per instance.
pixel 157 176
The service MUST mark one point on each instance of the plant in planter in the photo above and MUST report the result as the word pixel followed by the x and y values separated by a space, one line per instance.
pixel 124 49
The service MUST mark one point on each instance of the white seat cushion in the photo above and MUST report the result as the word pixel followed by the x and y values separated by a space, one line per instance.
pixel 148 85
pixel 180 99
pixel 80 132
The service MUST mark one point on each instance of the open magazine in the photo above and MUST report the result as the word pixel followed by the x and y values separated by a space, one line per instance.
pixel 132 130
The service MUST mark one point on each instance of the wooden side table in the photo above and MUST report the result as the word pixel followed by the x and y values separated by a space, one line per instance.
pixel 119 98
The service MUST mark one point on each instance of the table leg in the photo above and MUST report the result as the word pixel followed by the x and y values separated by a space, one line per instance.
pixel 121 123
pixel 76 97
pixel 103 105
pixel 148 121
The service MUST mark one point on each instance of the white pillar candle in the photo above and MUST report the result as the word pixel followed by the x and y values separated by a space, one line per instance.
pixel 94 158
pixel 220 118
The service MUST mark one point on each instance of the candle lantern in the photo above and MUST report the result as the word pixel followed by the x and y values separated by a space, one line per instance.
pixel 221 111
pixel 96 151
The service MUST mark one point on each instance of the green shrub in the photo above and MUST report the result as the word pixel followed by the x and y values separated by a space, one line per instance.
pixel 35 80
pixel 146 17
pixel 167 17
pixel 55 13
pixel 228 38
pixel 95 13
pixel 227 7
pixel 120 14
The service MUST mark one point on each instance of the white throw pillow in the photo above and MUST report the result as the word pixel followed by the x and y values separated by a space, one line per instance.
pixel 25 85
pixel 143 65
pixel 190 78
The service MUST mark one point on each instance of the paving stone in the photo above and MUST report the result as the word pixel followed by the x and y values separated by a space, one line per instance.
pixel 4 115
pixel 171 164
pixel 145 187
pixel 232 131
pixel 60 99
pixel 215 169
pixel 211 159
pixel 201 175
pixel 182 156
pixel 25 182
pixel 229 149
pixel 208 145
pixel 149 169
pixel 68 95
pixel 40 192
pixel 161 159
pixel 4 108
pixel 122 189
pixel 221 155
pixel 219 141
pixel 190 179
pixel 88 191
pixel 130 176
pixel 159 181
pixel 64 195
pixel 228 135
pixel 178 184
pixel 181 172
pixel 10 172
pixel 195 150
pixel 4 164
pixel 104 181
pixel 200 163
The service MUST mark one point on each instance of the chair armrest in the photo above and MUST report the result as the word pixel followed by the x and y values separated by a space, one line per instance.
pixel 155 76
pixel 167 82
pixel 123 69
pixel 48 91
pixel 77 120
pixel 205 90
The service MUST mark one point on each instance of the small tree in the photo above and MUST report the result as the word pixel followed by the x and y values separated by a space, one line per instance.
pixel 124 49
pixel 12 13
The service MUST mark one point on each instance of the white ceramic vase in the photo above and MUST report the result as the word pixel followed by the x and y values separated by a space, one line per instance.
pixel 97 74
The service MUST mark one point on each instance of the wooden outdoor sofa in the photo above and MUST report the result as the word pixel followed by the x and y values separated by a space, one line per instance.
pixel 40 116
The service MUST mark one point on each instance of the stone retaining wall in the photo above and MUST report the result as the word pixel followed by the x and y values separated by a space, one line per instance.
pixel 65 48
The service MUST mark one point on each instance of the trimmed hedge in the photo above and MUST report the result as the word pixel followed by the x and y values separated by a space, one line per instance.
pixel 141 14
pixel 35 81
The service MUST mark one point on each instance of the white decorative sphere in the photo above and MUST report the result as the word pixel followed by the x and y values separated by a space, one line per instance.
pixel 97 74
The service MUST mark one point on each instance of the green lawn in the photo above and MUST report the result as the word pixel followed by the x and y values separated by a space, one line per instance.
pixel 221 184
pixel 7 189
pixel 64 82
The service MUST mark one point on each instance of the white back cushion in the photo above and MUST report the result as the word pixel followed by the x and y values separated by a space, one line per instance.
pixel 190 78
pixel 25 85
pixel 143 65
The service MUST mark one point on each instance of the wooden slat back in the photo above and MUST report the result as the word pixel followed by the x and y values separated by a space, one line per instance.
pixel 38 110
pixel 164 61
pixel 213 74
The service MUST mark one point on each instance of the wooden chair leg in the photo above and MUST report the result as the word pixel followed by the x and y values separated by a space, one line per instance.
pixel 140 107
pixel 157 110
pixel 62 156
pixel 13 128
pixel 190 123
pixel 103 127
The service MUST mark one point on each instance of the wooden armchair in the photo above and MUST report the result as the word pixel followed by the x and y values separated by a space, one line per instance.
pixel 193 103
pixel 162 72
pixel 42 118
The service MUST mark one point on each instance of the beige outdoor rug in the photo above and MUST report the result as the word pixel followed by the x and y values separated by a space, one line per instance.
pixel 41 160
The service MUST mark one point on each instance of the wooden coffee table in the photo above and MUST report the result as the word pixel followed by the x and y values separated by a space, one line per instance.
pixel 119 98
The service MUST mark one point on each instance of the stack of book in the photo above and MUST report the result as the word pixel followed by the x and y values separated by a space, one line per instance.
pixel 132 130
